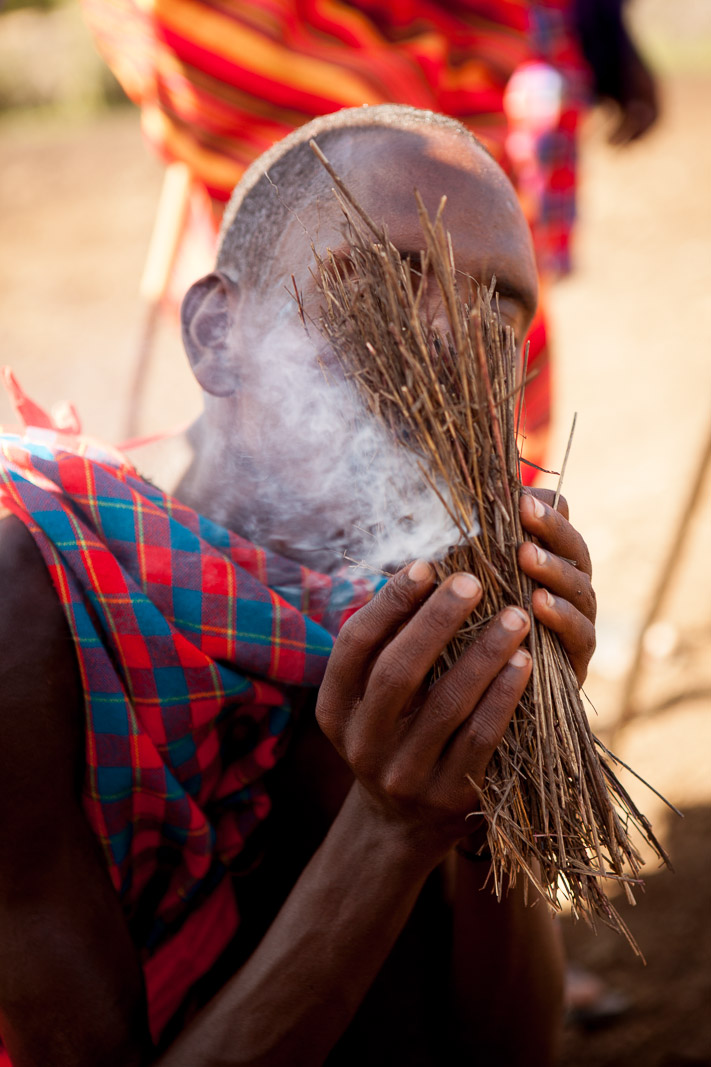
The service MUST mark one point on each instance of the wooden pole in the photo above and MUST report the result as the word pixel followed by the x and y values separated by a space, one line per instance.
pixel 162 252
pixel 667 574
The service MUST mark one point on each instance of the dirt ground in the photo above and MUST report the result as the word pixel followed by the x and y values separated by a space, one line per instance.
pixel 632 330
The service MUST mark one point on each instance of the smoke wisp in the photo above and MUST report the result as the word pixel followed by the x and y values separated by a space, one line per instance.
pixel 326 480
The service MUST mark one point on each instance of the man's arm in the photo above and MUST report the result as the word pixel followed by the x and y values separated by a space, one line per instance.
pixel 620 75
pixel 510 952
pixel 70 981
pixel 409 748
pixel 507 972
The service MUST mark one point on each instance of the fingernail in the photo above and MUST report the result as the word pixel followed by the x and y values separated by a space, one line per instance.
pixel 514 619
pixel 538 508
pixel 419 571
pixel 541 556
pixel 466 586
pixel 520 658
pixel 550 601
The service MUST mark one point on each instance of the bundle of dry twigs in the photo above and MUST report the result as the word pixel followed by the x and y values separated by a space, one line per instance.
pixel 554 807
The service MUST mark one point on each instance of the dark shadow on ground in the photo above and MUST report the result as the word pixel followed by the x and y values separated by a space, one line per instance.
pixel 668 1023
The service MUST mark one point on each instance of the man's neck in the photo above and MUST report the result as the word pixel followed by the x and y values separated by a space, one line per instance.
pixel 164 461
pixel 231 489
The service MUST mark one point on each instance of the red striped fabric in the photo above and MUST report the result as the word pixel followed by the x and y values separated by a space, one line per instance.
pixel 189 641
pixel 219 81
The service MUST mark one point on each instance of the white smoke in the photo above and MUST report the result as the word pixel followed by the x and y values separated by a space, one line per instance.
pixel 327 481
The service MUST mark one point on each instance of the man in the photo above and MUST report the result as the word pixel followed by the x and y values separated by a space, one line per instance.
pixel 178 825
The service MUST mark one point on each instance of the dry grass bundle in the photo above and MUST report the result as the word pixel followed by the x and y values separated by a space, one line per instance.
pixel 554 807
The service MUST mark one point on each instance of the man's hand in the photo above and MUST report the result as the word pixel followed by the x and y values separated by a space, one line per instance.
pixel 560 562
pixel 411 747
pixel 620 76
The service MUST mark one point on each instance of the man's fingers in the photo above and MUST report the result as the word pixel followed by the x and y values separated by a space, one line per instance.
pixel 363 636
pixel 559 576
pixel 405 662
pixel 475 742
pixel 554 531
pixel 576 632
pixel 547 496
pixel 453 697
pixel 559 561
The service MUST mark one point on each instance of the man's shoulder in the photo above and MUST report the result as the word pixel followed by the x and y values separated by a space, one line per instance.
pixel 39 684
pixel 28 595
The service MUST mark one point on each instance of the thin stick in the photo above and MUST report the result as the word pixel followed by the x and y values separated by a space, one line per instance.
pixel 565 462
pixel 667 572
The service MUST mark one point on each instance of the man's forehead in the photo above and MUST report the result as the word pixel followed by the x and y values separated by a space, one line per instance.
pixel 384 168
pixel 441 162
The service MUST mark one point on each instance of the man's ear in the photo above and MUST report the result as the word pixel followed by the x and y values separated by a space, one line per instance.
pixel 207 317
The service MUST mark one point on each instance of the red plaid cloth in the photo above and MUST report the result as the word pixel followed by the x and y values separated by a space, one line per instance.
pixel 187 637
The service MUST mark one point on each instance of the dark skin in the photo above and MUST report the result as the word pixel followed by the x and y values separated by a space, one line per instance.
pixel 347 919
pixel 621 78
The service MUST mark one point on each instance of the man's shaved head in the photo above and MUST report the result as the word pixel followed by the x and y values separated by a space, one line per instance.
pixel 276 187
pixel 276 444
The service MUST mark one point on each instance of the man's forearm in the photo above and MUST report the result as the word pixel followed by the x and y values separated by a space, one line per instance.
pixel 507 970
pixel 296 995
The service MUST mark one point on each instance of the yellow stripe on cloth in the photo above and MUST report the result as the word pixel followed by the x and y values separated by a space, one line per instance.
pixel 211 31
pixel 213 168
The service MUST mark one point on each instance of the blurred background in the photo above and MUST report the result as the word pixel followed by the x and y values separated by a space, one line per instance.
pixel 631 329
